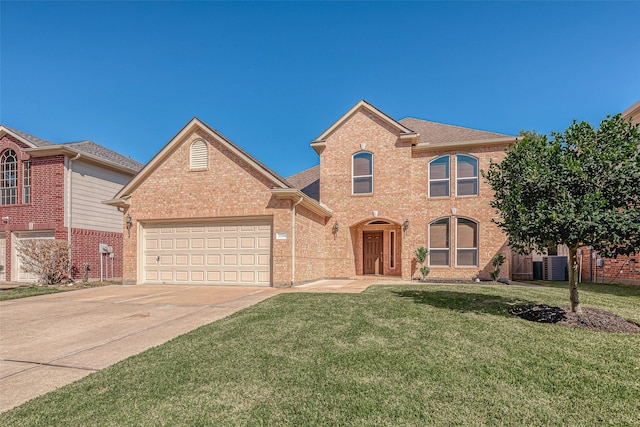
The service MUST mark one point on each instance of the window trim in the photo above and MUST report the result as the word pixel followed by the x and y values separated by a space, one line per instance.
pixel 12 198
pixel 448 179
pixel 475 178
pixel 353 176
pixel 477 243
pixel 26 182
pixel 448 249
pixel 392 249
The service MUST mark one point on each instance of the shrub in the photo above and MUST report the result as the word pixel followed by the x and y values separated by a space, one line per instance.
pixel 45 258
pixel 496 261
pixel 421 256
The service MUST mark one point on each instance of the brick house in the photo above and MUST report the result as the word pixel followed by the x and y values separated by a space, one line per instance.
pixel 54 191
pixel 622 269
pixel 203 211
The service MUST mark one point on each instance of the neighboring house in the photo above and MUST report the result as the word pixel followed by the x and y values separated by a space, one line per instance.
pixel 621 269
pixel 54 191
pixel 203 211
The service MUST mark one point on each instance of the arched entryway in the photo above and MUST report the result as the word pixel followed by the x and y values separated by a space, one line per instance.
pixel 377 247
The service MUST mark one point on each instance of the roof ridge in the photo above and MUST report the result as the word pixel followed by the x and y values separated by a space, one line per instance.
pixel 454 126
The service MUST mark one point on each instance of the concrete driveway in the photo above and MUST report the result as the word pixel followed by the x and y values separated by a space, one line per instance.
pixel 52 340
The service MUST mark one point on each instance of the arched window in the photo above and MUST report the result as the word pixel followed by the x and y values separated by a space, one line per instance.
pixel 439 177
pixel 439 243
pixel 467 243
pixel 9 178
pixel 362 173
pixel 466 175
pixel 198 155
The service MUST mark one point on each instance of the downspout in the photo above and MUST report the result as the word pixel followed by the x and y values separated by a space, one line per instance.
pixel 293 239
pixel 69 206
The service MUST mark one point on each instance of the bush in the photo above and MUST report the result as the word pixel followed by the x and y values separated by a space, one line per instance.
pixel 45 258
pixel 421 256
pixel 497 261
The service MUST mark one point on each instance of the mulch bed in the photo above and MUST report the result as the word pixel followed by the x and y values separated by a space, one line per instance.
pixel 591 319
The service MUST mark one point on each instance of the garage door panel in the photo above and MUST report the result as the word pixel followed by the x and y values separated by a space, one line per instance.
pixel 224 253
pixel 230 242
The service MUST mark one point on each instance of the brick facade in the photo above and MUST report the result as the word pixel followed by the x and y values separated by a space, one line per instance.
pixel 400 193
pixel 306 245
pixel 45 212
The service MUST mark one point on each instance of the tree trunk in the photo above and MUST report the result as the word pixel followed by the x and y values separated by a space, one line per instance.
pixel 573 281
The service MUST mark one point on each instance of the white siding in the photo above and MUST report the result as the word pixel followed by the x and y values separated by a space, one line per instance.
pixel 90 185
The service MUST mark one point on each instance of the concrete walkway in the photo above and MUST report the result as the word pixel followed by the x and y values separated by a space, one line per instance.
pixel 52 340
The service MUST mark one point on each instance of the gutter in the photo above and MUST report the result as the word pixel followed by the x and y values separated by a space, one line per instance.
pixel 70 207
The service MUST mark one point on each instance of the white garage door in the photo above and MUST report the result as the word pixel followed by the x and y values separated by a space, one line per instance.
pixel 18 273
pixel 219 253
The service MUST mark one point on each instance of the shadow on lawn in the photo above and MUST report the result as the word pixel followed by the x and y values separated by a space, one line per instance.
pixel 465 301
pixel 610 289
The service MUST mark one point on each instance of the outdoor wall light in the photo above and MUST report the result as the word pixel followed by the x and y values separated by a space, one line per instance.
pixel 335 228
pixel 5 218
pixel 129 224
pixel 405 225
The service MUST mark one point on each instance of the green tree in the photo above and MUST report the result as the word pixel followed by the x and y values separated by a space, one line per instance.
pixel 577 188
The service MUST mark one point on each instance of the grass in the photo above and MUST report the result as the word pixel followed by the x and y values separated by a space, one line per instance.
pixel 392 356
pixel 27 291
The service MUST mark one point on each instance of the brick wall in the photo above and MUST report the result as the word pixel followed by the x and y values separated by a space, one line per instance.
pixel 46 212
pixel 400 192
pixel 228 188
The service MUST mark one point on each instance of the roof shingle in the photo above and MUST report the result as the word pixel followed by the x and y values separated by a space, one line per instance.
pixel 438 133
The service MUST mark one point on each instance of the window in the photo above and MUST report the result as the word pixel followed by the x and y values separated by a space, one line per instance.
pixel 439 177
pixel 467 243
pixel 362 173
pixel 466 175
pixel 392 249
pixel 26 183
pixel 439 243
pixel 199 158
pixel 9 178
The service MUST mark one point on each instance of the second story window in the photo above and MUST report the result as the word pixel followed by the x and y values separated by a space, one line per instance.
pixel 466 175
pixel 26 183
pixel 362 173
pixel 9 178
pixel 439 177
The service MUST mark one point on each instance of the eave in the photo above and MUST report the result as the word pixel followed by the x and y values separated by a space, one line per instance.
pixel 122 202
pixel 57 150
pixel 425 146
pixel 305 201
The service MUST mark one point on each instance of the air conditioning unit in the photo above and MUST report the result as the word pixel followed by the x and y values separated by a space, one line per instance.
pixel 554 267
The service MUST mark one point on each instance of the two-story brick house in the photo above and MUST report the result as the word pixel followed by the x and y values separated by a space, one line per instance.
pixel 205 212
pixel 54 191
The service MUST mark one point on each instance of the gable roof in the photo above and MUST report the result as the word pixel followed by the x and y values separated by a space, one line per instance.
pixel 307 181
pixel 30 140
pixel 405 133
pixel 281 190
pixel 439 133
pixel 88 149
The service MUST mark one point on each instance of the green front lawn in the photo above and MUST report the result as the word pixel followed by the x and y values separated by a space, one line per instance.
pixel 27 291
pixel 395 356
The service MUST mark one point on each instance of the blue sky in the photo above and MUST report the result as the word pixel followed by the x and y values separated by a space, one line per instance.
pixel 272 76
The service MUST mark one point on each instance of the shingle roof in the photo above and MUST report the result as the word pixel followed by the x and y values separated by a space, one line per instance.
pixel 90 147
pixel 38 142
pixel 307 181
pixel 438 133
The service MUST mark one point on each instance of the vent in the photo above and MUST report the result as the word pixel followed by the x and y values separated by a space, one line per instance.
pixel 199 158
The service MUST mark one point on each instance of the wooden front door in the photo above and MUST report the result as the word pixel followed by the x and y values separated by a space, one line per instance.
pixel 372 252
